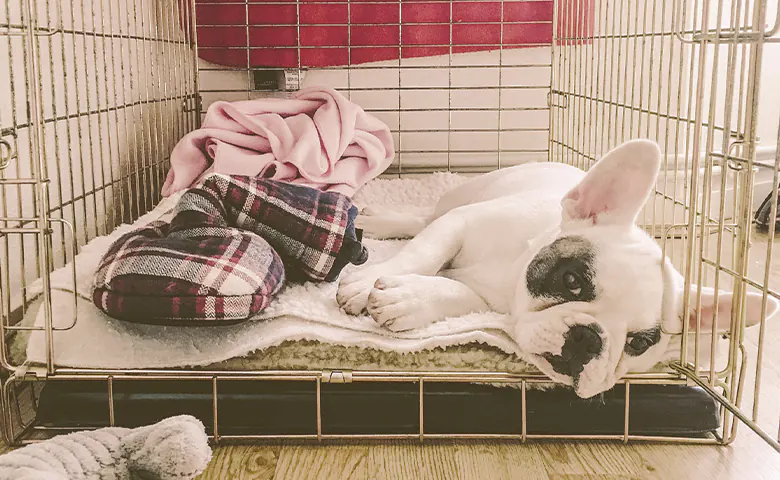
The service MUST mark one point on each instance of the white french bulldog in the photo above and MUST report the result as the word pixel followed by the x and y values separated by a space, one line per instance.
pixel 556 248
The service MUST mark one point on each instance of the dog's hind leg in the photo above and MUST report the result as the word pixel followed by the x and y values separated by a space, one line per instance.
pixel 405 302
pixel 382 224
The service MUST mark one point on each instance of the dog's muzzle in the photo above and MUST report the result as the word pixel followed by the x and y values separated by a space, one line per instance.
pixel 582 343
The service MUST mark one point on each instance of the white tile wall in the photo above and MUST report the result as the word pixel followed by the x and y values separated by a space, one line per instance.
pixel 428 116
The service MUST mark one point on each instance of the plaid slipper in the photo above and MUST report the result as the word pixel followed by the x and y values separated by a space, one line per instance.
pixel 195 270
pixel 313 231
pixel 223 256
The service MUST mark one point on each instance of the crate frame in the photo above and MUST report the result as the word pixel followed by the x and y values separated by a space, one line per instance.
pixel 574 94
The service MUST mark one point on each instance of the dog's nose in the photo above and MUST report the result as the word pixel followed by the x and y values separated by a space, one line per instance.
pixel 582 344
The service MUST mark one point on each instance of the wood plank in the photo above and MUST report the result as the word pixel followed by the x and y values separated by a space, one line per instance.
pixel 398 460
pixel 589 459
pixel 474 459
pixel 749 457
pixel 332 462
pixel 242 462
pixel 500 461
pixel 524 461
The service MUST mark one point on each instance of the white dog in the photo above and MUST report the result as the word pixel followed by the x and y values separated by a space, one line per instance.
pixel 558 249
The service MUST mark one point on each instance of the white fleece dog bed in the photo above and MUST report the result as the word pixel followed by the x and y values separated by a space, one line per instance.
pixel 301 313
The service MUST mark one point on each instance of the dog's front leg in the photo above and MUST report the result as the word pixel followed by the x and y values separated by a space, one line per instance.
pixel 405 302
pixel 425 254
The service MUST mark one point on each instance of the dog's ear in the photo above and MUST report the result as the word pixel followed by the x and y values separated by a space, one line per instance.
pixel 616 187
pixel 723 307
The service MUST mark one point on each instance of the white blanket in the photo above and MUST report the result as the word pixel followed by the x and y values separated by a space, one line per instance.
pixel 300 312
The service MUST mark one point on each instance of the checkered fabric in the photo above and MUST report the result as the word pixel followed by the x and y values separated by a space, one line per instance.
pixel 224 254
pixel 313 231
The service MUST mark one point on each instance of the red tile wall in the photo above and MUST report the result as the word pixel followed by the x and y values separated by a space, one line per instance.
pixel 334 33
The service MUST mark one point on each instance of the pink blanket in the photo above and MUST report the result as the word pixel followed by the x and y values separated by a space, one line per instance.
pixel 317 138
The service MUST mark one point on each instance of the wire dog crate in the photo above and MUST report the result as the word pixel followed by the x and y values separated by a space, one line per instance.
pixel 97 92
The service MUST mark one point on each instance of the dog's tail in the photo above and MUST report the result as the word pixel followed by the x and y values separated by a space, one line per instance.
pixel 383 224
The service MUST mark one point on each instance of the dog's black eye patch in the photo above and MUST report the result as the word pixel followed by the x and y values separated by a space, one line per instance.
pixel 563 271
pixel 639 342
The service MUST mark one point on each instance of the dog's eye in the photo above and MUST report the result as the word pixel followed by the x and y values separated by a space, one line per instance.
pixel 572 282
pixel 637 345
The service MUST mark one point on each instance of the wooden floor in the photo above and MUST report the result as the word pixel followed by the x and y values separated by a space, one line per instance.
pixel 749 459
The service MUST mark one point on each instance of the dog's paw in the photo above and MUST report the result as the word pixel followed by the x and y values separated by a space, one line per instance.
pixel 354 288
pixel 373 211
pixel 386 224
pixel 376 223
pixel 395 303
